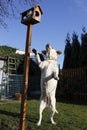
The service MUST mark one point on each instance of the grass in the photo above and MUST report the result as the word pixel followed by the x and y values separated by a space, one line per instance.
pixel 70 117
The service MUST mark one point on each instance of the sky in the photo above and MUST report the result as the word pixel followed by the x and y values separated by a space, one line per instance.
pixel 59 18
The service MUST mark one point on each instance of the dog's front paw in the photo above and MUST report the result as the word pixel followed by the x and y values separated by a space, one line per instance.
pixel 34 51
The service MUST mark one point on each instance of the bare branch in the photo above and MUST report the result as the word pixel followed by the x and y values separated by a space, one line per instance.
pixel 8 9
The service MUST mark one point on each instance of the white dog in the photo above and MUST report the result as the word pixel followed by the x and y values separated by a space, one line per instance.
pixel 49 79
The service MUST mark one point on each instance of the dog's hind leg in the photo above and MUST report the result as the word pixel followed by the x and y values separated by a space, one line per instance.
pixel 41 108
pixel 53 108
pixel 52 120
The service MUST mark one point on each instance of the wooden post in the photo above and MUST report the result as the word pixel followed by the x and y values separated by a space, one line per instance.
pixel 26 77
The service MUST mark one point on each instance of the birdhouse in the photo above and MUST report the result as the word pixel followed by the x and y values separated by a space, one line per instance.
pixel 31 16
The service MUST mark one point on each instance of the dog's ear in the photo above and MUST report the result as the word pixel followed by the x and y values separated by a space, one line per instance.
pixel 44 52
pixel 58 52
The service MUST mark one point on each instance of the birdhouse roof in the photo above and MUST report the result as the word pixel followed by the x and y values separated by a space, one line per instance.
pixel 23 13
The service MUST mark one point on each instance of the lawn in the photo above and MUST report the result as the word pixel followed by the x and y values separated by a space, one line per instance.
pixel 71 116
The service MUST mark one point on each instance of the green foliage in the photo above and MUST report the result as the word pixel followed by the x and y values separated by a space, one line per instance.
pixel 75 53
pixel 67 53
pixel 83 54
pixel 6 51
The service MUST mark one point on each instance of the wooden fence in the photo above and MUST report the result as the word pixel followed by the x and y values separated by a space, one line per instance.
pixel 73 83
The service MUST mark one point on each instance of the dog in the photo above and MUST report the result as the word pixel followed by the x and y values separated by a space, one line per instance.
pixel 49 80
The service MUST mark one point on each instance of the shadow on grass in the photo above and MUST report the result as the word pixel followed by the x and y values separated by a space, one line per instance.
pixel 15 124
pixel 9 113
pixel 31 119
pixel 5 126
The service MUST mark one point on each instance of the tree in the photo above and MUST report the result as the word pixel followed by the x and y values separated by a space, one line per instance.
pixel 10 8
pixel 75 51
pixel 72 52
pixel 83 52
pixel 67 53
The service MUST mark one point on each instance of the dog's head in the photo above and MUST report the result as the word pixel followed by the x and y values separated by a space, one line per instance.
pixel 51 54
